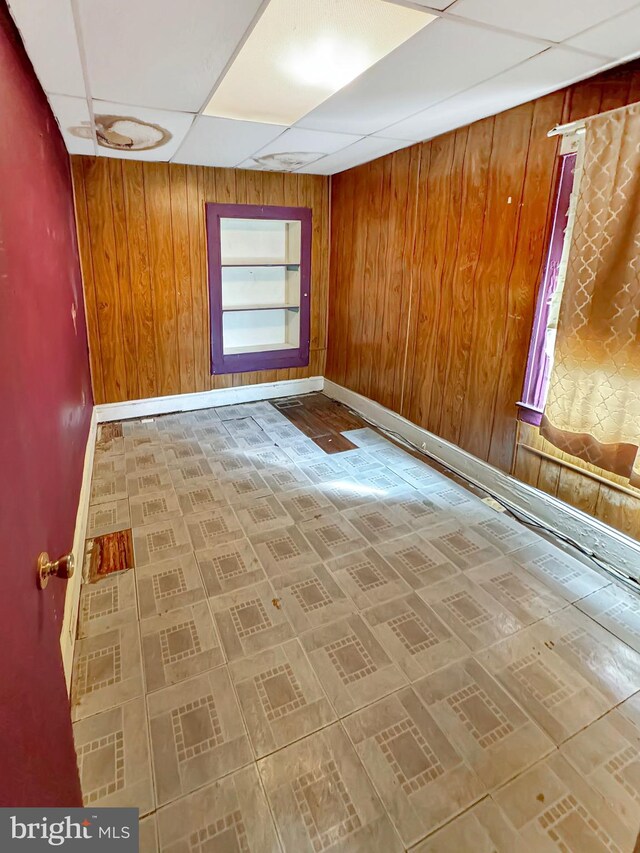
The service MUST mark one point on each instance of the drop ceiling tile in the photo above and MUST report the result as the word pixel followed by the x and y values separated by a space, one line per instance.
pixel 438 5
pixel 298 139
pixel 439 61
pixel 224 141
pixel 73 113
pixel 616 38
pixel 175 123
pixel 158 52
pixel 547 19
pixel 547 72
pixel 49 35
pixel 369 148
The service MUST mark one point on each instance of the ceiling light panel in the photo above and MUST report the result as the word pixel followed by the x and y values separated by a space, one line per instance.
pixel 301 52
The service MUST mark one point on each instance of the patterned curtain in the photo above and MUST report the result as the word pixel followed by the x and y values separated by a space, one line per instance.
pixel 593 405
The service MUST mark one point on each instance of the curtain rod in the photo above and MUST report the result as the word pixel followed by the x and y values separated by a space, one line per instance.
pixel 579 125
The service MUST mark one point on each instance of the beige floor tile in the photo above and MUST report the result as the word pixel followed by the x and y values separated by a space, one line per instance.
pixel 179 645
pixel 418 511
pixel 109 465
pixel 230 816
pixel 204 432
pixel 506 533
pixel 367 578
pixel 233 461
pixel 413 636
pixel 553 808
pixel 242 489
pixel 607 755
pixel 107 604
pixel 421 476
pixel 107 671
pixel 322 799
pixel 305 503
pixel 148 835
pixel 346 491
pixel 181 450
pixel 228 567
pixel 481 829
pixel 461 544
pixel 483 722
pixel 168 585
pixel 601 659
pixel 563 574
pixel 549 689
pixel 385 482
pixel 149 482
pixel 146 458
pixel 250 620
pixel 359 461
pixel 517 591
pixel 217 443
pixel 213 527
pixel 311 597
pixel 267 458
pixel 282 550
pixel 112 487
pixel 284 479
pixel 281 698
pixel 113 758
pixel 162 540
pixel 300 449
pixel 190 472
pixel 351 664
pixel 617 610
pixel 471 613
pixel 154 507
pixel 263 514
pixel 331 535
pixel 421 777
pixel 324 470
pixel 204 495
pixel 377 523
pixel 197 734
pixel 417 562
pixel 108 517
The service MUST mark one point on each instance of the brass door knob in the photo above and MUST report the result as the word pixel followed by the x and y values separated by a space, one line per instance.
pixel 62 568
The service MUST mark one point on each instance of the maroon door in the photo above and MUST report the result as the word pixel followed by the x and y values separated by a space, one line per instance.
pixel 45 406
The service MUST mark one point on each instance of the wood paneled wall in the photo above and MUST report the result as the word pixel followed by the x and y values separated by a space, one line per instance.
pixel 436 257
pixel 141 229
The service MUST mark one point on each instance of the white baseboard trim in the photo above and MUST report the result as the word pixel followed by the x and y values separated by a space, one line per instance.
pixel 72 596
pixel 205 399
pixel 611 546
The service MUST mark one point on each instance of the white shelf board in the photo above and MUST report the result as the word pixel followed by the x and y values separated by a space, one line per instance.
pixel 259 348
pixel 269 306
pixel 258 262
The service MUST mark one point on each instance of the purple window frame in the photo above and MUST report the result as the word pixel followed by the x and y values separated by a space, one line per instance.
pixel 536 378
pixel 270 359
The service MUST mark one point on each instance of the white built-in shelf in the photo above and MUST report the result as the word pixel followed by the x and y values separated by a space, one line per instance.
pixel 258 262
pixel 259 348
pixel 262 307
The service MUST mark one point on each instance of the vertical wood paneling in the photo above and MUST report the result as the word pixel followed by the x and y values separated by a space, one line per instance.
pixel 142 236
pixel 436 255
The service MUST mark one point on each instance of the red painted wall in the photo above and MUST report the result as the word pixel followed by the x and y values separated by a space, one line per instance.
pixel 45 407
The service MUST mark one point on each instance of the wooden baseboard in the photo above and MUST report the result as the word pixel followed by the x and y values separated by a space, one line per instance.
pixel 72 597
pixel 610 546
pixel 205 399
